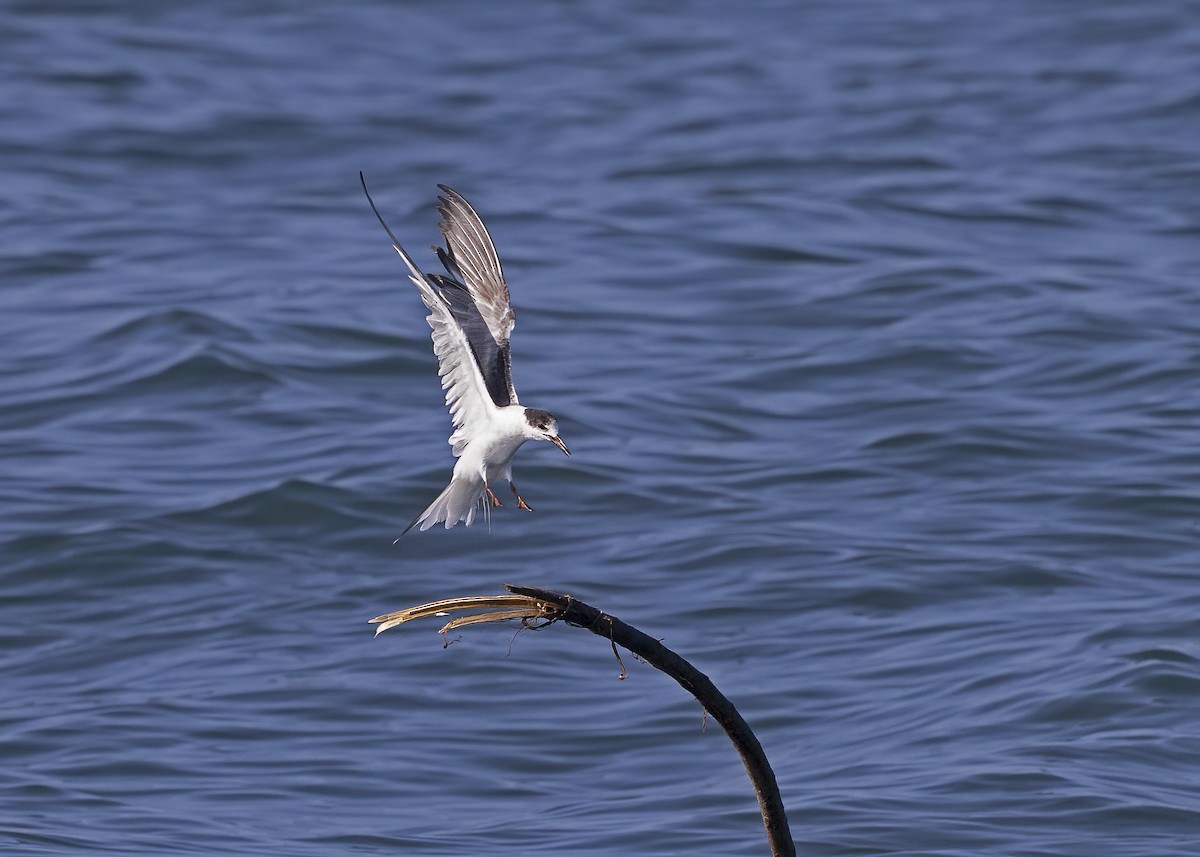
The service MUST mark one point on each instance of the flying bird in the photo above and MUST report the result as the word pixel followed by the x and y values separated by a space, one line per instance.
pixel 472 320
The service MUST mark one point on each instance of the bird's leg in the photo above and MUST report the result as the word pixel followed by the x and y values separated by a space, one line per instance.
pixel 495 500
pixel 521 504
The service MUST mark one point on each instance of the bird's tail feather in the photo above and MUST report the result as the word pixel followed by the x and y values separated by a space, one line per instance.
pixel 460 500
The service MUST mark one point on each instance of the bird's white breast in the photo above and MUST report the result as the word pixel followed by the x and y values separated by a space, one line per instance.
pixel 490 450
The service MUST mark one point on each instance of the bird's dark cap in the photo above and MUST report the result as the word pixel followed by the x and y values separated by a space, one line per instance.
pixel 538 419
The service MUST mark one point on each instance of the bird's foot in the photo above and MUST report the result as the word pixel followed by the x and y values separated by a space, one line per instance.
pixel 521 504
pixel 495 500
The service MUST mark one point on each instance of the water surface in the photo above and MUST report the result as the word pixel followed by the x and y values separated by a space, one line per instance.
pixel 873 329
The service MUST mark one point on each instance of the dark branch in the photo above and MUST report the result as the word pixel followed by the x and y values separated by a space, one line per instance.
pixel 529 603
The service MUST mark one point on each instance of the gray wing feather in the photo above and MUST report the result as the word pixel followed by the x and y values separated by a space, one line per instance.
pixel 469 247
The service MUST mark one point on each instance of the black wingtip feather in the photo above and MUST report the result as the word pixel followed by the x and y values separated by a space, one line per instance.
pixel 378 216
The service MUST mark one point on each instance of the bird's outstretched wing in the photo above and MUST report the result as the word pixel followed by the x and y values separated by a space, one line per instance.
pixel 471 260
pixel 454 318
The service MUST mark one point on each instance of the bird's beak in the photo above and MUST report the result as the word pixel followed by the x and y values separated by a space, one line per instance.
pixel 557 441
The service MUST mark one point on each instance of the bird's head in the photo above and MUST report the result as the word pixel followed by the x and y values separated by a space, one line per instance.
pixel 540 425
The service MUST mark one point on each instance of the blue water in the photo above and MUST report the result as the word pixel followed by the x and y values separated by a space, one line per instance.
pixel 874 329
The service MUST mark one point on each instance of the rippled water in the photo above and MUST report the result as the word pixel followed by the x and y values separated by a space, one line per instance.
pixel 873 329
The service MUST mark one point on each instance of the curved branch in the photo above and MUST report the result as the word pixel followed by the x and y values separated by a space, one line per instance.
pixel 529 603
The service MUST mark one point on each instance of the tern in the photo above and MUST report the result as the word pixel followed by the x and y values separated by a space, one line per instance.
pixel 472 320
